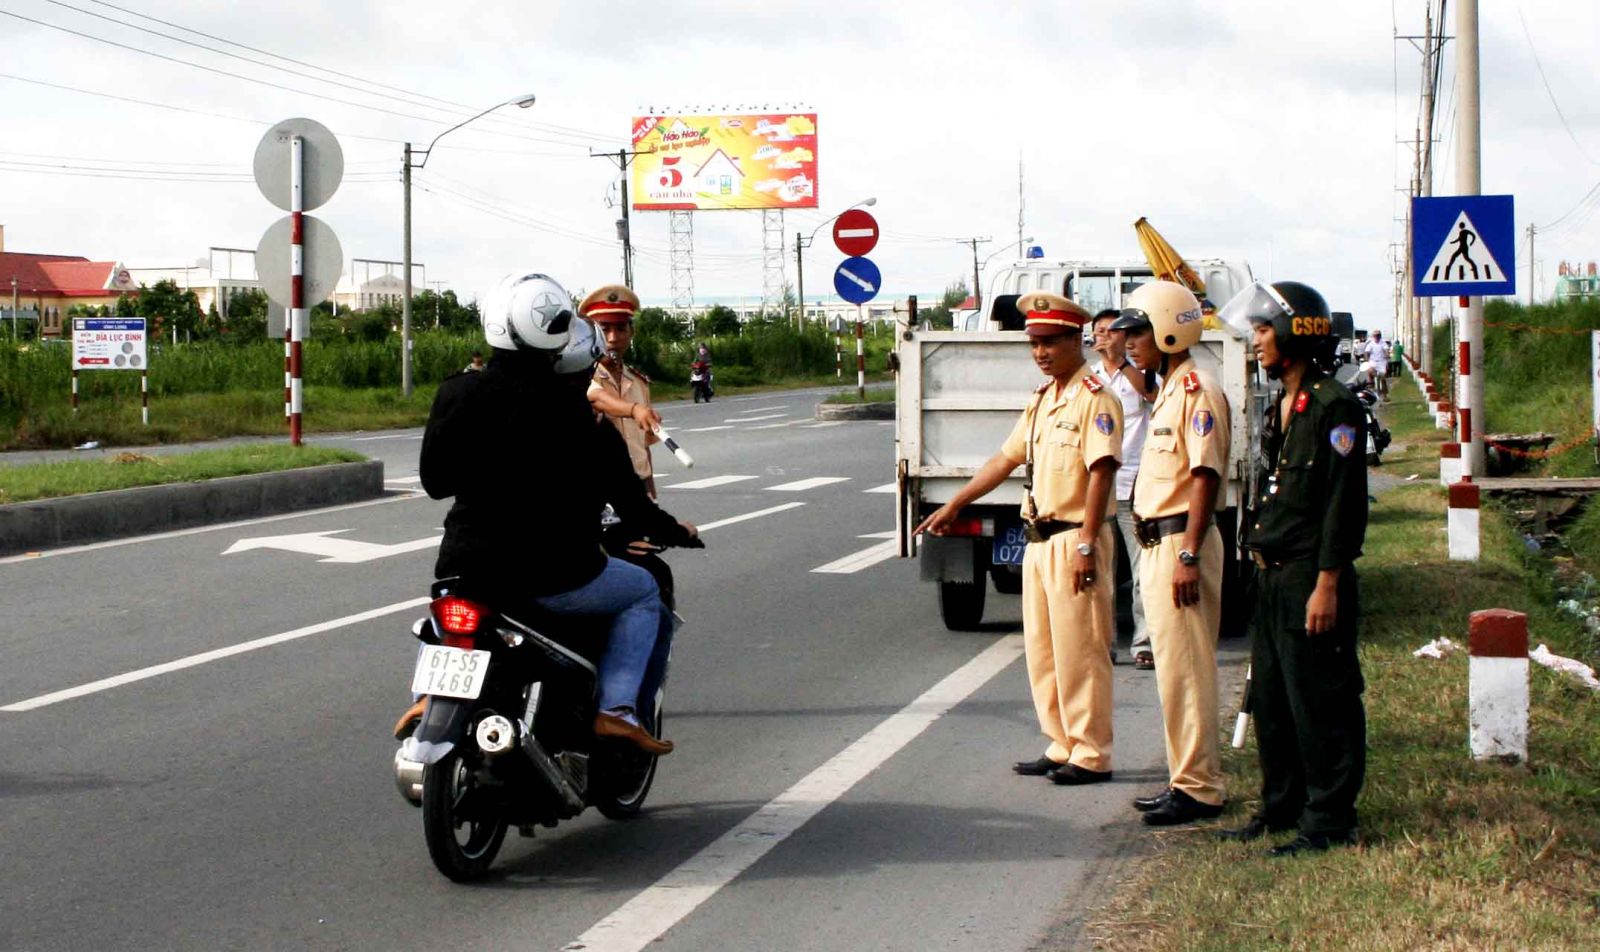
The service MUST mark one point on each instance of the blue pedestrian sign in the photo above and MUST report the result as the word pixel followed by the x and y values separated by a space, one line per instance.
pixel 857 280
pixel 1463 245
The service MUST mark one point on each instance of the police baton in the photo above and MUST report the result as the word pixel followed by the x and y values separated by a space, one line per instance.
pixel 672 444
pixel 1243 720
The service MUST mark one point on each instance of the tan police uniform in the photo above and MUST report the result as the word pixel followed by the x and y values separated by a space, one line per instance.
pixel 616 304
pixel 1066 637
pixel 1189 430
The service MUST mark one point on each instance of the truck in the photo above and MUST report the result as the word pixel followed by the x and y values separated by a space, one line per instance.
pixel 959 392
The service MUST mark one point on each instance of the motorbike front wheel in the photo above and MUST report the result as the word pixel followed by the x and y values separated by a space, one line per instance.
pixel 462 846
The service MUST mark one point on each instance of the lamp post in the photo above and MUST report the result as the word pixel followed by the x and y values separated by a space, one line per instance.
pixel 407 165
pixel 1019 241
pixel 13 308
pixel 802 242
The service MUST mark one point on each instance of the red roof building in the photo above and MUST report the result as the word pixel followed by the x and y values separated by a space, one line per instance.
pixel 50 285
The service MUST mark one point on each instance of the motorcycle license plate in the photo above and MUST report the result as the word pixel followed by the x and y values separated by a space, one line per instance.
pixel 450 672
pixel 1008 546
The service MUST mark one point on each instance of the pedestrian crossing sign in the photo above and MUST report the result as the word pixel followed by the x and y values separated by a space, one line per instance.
pixel 1463 245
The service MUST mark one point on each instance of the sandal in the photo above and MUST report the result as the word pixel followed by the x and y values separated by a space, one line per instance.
pixel 1144 660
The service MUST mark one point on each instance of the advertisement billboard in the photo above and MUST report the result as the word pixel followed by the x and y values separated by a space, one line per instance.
pixel 108 343
pixel 704 163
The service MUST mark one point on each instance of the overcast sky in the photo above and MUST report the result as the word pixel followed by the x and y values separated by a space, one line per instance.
pixel 1259 130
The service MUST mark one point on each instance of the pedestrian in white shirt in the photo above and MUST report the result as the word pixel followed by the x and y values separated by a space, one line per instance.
pixel 1377 353
pixel 1128 384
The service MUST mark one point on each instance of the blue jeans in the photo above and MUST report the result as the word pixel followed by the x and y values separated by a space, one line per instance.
pixel 641 630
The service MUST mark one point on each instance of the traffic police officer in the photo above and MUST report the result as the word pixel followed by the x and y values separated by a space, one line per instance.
pixel 1180 572
pixel 1305 528
pixel 1070 440
pixel 617 390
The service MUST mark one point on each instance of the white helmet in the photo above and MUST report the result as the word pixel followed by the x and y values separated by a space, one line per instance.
pixel 583 349
pixel 527 311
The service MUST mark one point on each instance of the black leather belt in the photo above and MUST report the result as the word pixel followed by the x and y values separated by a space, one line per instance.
pixel 1150 532
pixel 1274 561
pixel 1045 528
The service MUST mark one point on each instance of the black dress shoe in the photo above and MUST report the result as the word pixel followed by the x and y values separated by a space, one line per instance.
pixel 1257 827
pixel 1146 804
pixel 1034 768
pixel 1071 775
pixel 1181 808
pixel 1313 843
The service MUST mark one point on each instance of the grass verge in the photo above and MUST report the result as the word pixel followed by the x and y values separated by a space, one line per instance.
pixel 874 395
pixel 127 470
pixel 1455 854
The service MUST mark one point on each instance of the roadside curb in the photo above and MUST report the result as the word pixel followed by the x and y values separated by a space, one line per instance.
pixel 95 517
pixel 855 411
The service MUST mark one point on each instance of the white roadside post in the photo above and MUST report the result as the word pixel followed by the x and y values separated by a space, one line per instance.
pixel 861 357
pixel 1461 521
pixel 1497 677
pixel 1449 464
pixel 1594 378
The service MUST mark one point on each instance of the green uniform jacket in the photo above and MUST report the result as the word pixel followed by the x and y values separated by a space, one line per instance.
pixel 1311 491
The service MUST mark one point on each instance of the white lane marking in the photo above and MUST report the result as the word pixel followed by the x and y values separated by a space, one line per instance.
pixel 885 488
pixel 710 482
pixel 750 515
pixel 392 436
pixel 801 485
pixel 706 429
pixel 856 561
pixel 339 551
pixel 823 425
pixel 772 426
pixel 179 533
pixel 756 419
pixel 205 657
pixel 781 406
pixel 890 534
pixel 645 917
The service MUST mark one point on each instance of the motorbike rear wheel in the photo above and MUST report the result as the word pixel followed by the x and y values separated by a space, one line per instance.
pixel 628 781
pixel 445 785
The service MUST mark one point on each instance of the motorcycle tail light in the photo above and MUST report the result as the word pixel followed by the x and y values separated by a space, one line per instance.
pixel 458 619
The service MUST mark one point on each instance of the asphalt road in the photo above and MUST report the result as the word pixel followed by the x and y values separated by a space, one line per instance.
pixel 841 779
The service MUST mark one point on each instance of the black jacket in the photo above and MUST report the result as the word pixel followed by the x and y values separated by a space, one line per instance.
pixel 530 471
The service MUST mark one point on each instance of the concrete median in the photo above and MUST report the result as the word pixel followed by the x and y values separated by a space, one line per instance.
pixel 95 517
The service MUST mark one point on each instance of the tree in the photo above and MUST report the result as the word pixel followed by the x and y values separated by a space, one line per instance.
pixel 720 321
pixel 246 316
pixel 430 308
pixel 167 307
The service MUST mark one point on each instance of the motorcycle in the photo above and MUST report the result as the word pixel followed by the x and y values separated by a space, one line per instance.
pixel 1377 437
pixel 506 737
pixel 700 381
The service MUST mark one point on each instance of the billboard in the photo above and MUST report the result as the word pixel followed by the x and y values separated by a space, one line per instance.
pixel 702 163
pixel 108 343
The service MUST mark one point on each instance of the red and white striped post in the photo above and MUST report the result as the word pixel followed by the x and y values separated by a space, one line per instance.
pixel 1497 677
pixel 1461 520
pixel 1465 407
pixel 144 396
pixel 296 325
pixel 861 357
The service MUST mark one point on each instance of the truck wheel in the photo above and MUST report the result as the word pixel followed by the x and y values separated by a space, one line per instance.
pixel 1006 582
pixel 961 603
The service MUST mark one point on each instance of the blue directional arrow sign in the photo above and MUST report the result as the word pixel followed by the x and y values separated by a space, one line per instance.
pixel 1463 245
pixel 857 280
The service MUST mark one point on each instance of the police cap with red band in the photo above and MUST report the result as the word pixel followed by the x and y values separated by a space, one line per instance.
pixel 1050 314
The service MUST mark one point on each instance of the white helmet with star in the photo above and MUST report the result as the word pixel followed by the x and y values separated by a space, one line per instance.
pixel 527 311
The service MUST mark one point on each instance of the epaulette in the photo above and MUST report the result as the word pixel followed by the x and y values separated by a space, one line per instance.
pixel 1093 384
pixel 1191 382
pixel 1044 386
pixel 640 374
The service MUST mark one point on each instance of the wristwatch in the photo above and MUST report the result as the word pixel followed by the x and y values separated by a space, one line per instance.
pixel 1187 557
pixel 1086 548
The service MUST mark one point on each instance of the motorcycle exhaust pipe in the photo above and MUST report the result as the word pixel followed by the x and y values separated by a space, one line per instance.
pixel 495 735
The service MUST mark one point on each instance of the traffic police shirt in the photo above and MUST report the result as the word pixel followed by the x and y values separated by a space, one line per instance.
pixel 1311 489
pixel 634 387
pixel 1073 428
pixel 1189 430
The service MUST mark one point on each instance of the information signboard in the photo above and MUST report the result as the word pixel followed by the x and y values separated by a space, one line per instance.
pixel 108 343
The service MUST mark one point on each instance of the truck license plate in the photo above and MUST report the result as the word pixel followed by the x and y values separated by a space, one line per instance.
pixel 450 672
pixel 1009 546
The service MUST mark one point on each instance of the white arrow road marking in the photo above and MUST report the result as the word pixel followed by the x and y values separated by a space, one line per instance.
pixel 645 917
pixel 885 488
pixel 95 687
pixel 863 283
pixel 338 551
pixel 754 419
pixel 710 482
pixel 866 558
pixel 801 485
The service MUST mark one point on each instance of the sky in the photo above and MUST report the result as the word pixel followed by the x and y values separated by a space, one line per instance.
pixel 1246 129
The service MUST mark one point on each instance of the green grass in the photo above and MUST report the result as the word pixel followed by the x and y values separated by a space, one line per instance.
pixel 1455 854
pixel 874 395
pixel 126 470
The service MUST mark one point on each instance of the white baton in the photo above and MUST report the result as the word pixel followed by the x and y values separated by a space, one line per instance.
pixel 672 444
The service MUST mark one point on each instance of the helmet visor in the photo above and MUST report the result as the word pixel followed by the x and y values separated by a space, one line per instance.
pixel 1256 304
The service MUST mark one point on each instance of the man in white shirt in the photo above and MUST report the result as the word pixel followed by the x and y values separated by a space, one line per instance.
pixel 1128 384
pixel 1377 354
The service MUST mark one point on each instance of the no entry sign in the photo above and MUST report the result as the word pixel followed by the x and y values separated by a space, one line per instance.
pixel 855 232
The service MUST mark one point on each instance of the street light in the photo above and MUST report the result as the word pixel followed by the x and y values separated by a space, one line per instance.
pixel 802 242
pixel 522 102
pixel 1019 241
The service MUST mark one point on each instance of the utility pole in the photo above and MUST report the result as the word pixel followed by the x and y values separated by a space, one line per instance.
pixel 1469 181
pixel 1533 263
pixel 1021 200
pixel 977 295
pixel 800 275
pixel 405 301
pixel 1423 348
pixel 623 158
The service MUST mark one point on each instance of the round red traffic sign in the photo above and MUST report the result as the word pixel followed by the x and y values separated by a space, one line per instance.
pixel 855 232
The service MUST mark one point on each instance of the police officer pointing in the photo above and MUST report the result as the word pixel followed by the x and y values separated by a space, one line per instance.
pixel 1070 440
pixel 1304 530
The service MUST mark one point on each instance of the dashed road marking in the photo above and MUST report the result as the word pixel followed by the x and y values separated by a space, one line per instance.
pixel 823 425
pixel 710 482
pixel 801 485
pixel 756 419
pixel 856 561
pixel 706 429
pixel 772 426
pixel 771 510
pixel 781 406
pixel 885 488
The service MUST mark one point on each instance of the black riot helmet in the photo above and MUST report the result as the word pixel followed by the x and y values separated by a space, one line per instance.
pixel 1298 313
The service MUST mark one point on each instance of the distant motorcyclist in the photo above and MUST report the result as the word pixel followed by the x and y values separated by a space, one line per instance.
pixel 517 445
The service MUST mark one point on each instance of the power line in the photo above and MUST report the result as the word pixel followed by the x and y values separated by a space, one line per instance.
pixel 1550 92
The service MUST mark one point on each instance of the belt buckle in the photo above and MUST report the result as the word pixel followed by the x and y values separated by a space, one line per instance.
pixel 1030 531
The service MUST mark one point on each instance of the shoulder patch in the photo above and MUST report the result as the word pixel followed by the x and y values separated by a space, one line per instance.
pixel 1342 438
pixel 1093 384
pixel 1203 422
pixel 1191 382
pixel 1043 386
pixel 1104 423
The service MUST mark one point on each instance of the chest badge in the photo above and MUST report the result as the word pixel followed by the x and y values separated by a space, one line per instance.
pixel 1203 422
pixel 1067 425
pixel 1104 423
pixel 1162 431
pixel 1301 401
pixel 1343 439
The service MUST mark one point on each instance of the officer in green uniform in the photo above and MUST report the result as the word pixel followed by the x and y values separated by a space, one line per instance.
pixel 1304 531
